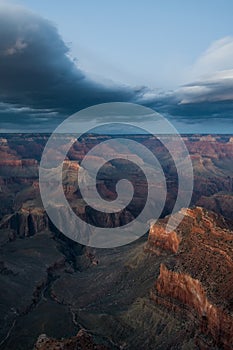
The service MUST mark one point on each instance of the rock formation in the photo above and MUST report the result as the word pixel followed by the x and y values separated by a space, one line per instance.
pixel 82 341
pixel 200 282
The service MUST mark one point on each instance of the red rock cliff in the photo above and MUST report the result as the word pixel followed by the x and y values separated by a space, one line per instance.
pixel 159 240
pixel 200 283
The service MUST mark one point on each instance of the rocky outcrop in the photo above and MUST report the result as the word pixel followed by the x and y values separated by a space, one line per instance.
pixel 208 138
pixel 82 341
pixel 200 281
pixel 188 292
pixel 31 220
pixel 213 149
pixel 159 240
pixel 26 222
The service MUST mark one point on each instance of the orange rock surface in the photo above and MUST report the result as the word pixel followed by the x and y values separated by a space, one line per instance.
pixel 200 283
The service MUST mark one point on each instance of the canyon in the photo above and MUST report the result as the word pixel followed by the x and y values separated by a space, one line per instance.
pixel 164 291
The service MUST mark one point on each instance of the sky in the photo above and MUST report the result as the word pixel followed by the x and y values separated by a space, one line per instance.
pixel 153 43
pixel 57 57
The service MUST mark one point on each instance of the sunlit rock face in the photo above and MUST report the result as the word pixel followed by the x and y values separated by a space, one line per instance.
pixel 160 240
pixel 189 292
pixel 200 282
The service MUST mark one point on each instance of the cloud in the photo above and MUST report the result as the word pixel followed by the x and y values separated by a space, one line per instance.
pixel 210 95
pixel 203 99
pixel 17 47
pixel 217 57
pixel 217 87
pixel 40 84
pixel 36 70
pixel 212 75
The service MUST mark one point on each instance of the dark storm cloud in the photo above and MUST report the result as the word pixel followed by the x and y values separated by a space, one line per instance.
pixel 36 71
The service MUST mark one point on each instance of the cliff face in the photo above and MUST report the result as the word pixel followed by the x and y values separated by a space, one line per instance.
pixel 159 240
pixel 26 222
pixel 200 282
pixel 210 148
pixel 188 292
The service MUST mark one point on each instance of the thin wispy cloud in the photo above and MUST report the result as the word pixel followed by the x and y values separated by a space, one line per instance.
pixel 212 75
pixel 217 57
pixel 209 94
